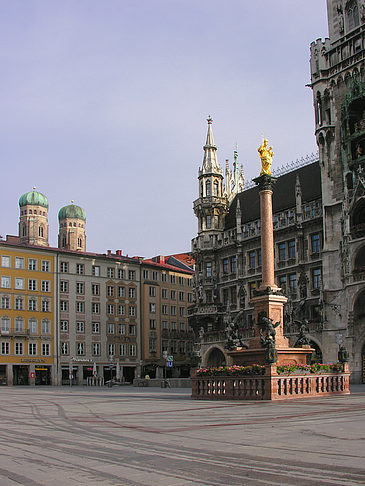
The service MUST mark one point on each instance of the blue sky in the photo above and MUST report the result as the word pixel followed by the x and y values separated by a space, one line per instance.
pixel 104 102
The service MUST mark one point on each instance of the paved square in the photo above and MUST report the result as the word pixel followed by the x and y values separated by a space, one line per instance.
pixel 147 436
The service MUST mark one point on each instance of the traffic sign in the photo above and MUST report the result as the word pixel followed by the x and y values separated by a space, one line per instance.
pixel 170 364
pixel 170 358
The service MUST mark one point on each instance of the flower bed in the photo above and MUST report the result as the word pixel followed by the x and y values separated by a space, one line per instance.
pixel 233 370
pixel 314 368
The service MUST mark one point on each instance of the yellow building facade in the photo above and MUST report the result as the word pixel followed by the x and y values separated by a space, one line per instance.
pixel 27 315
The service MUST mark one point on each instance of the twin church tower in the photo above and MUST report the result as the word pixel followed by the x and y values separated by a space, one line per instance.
pixel 34 228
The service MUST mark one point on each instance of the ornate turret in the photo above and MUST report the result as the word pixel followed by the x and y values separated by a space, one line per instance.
pixel 33 220
pixel 211 206
pixel 71 235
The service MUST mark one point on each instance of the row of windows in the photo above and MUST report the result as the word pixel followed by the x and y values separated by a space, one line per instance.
pixel 112 328
pixel 111 272
pixel 124 349
pixel 95 289
pixel 165 325
pixel 112 309
pixel 173 346
pixel 154 275
pixel 19 325
pixel 19 263
pixel 165 310
pixel 32 211
pixel 20 303
pixel 19 284
pixel 173 294
pixel 19 348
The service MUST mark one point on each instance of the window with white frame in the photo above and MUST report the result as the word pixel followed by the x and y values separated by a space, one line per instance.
pixel 131 274
pixel 18 348
pixel 80 307
pixel 173 310
pixel 164 293
pixel 64 348
pixel 80 287
pixel 121 291
pixel 80 327
pixel 132 350
pixel 5 325
pixel 63 305
pixel 95 326
pixel 164 277
pixel 152 323
pixel 132 293
pixel 45 286
pixel 95 308
pixel 19 262
pixel 46 326
pixel 32 264
pixel 173 294
pixel 110 291
pixel 5 347
pixel 152 307
pixel 122 349
pixel 110 309
pixel 111 349
pixel 32 349
pixel 146 274
pixel 95 289
pixel 64 326
pixel 120 274
pixel 121 329
pixel 80 348
pixel 19 303
pixel 32 304
pixel 45 349
pixel 96 349
pixel 5 282
pixel 63 286
pixel 80 268
pixel 19 324
pixel 132 310
pixel 32 284
pixel 152 291
pixel 154 275
pixel 46 306
pixel 32 326
pixel 111 328
pixel 5 261
pixel 96 270
pixel 164 309
pixel 121 310
pixel 132 329
pixel 110 272
pixel 19 283
pixel 64 267
pixel 45 266
pixel 5 302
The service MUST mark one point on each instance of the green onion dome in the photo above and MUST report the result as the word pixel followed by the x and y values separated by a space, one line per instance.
pixel 33 198
pixel 71 211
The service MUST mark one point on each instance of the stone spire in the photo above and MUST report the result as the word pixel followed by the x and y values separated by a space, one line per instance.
pixel 210 161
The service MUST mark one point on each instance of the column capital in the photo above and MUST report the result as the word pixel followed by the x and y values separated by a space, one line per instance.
pixel 265 182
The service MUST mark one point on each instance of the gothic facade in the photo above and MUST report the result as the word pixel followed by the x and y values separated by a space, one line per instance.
pixel 319 218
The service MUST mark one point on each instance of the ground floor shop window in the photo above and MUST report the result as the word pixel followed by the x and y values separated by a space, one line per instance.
pixel 3 377
pixel 20 375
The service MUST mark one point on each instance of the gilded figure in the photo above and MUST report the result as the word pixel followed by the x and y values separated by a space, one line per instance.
pixel 266 154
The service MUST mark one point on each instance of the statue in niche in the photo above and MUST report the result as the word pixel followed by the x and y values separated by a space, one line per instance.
pixel 340 18
pixel 266 154
pixel 242 295
pixel 303 339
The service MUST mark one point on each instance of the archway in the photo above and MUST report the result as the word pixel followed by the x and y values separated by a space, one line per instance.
pixel 316 356
pixel 216 358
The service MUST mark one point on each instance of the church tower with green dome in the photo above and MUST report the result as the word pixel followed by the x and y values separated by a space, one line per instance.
pixel 71 233
pixel 33 218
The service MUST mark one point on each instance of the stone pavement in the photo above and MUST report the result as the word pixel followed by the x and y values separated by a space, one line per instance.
pixel 148 436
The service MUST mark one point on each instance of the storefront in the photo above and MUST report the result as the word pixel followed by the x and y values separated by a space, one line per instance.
pixel 20 375
pixel 66 375
pixel 43 375
pixel 3 375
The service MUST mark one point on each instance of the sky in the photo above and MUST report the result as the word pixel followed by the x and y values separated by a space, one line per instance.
pixel 105 102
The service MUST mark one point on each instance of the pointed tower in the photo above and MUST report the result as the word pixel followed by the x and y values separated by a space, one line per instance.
pixel 33 218
pixel 211 206
pixel 71 234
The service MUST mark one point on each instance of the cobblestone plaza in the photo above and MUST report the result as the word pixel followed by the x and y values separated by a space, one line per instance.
pixel 148 436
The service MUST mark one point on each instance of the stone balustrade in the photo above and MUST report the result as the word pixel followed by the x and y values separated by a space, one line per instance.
pixel 270 386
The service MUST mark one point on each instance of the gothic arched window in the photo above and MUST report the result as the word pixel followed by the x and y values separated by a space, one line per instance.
pixel 352 14
pixel 40 231
pixel 208 191
pixel 215 188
